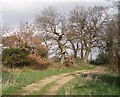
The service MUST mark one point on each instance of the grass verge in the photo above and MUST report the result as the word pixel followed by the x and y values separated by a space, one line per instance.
pixel 106 85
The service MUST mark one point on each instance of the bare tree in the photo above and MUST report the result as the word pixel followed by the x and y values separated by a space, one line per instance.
pixel 52 23
pixel 5 31
pixel 111 38
pixel 112 43
pixel 24 38
pixel 86 24
pixel 76 25
pixel 95 21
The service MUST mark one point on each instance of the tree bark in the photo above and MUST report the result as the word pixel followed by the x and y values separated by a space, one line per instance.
pixel 62 59
pixel 86 57
pixel 75 54
pixel 74 49
pixel 81 50
pixel 63 51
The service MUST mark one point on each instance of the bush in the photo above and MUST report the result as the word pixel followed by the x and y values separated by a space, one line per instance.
pixel 38 62
pixel 102 58
pixel 14 57
pixel 93 62
pixel 42 51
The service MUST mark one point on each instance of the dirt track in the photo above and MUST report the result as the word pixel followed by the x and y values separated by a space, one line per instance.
pixel 60 80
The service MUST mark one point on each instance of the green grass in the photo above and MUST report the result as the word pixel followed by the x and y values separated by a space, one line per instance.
pixel 107 85
pixel 16 80
pixel 84 65
pixel 27 77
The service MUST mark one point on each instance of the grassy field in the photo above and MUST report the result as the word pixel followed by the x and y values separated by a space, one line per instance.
pixel 106 85
pixel 14 80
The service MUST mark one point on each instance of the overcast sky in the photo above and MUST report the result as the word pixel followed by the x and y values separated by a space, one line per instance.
pixel 16 11
pixel 13 12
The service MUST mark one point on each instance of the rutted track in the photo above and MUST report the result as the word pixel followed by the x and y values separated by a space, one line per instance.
pixel 60 80
pixel 38 85
pixel 65 79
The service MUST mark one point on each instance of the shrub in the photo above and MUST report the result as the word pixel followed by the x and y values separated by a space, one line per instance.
pixel 14 57
pixel 102 58
pixel 38 62
pixel 42 63
pixel 42 51
pixel 70 62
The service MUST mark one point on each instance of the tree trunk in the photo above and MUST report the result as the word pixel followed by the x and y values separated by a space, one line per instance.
pixel 91 56
pixel 63 51
pixel 75 54
pixel 81 51
pixel 62 59
pixel 74 49
pixel 85 59
pixel 82 44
